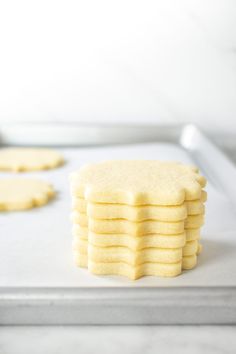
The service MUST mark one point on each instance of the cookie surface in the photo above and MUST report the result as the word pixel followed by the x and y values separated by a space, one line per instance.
pixel 28 159
pixel 23 193
pixel 138 182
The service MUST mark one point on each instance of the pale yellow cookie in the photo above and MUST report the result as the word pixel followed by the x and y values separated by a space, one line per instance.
pixel 191 234
pixel 23 193
pixel 134 257
pixel 133 273
pixel 132 213
pixel 138 182
pixel 189 262
pixel 139 213
pixel 199 250
pixel 79 218
pixel 82 232
pixel 136 229
pixel 80 204
pixel 196 207
pixel 190 248
pixel 80 245
pixel 28 159
pixel 194 221
pixel 133 242
pixel 124 254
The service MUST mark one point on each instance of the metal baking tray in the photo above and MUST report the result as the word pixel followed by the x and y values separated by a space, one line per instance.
pixel 39 284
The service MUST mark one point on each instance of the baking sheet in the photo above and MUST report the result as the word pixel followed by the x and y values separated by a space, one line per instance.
pixel 36 252
pixel 36 245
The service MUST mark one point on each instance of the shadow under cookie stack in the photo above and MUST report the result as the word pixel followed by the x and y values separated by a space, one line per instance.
pixel 137 218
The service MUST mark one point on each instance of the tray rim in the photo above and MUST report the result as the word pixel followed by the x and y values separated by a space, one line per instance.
pixel 186 305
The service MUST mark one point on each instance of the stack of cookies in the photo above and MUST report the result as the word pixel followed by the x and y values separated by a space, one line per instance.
pixel 136 218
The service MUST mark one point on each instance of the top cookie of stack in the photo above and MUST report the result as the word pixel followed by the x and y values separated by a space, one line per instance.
pixel 116 202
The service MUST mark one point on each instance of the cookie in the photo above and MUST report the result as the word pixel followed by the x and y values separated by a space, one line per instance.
pixel 131 213
pixel 189 262
pixel 124 254
pixel 24 193
pixel 192 234
pixel 194 221
pixel 133 273
pixel 138 182
pixel 28 159
pixel 139 213
pixel 134 243
pixel 190 248
pixel 82 232
pixel 128 227
pixel 196 207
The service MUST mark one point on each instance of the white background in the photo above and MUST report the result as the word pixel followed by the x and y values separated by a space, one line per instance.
pixel 119 61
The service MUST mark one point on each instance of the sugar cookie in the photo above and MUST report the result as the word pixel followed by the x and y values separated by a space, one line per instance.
pixel 124 254
pixel 28 159
pixel 23 193
pixel 131 228
pixel 133 242
pixel 133 273
pixel 77 230
pixel 138 182
pixel 190 248
pixel 189 262
pixel 140 213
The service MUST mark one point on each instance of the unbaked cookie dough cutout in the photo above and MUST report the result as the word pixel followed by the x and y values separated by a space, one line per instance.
pixel 22 159
pixel 24 193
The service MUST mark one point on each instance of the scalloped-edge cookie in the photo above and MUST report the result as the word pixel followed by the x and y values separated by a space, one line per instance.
pixel 134 243
pixel 133 273
pixel 140 213
pixel 21 159
pixel 128 227
pixel 124 254
pixel 82 232
pixel 189 262
pixel 24 193
pixel 111 226
pixel 139 182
